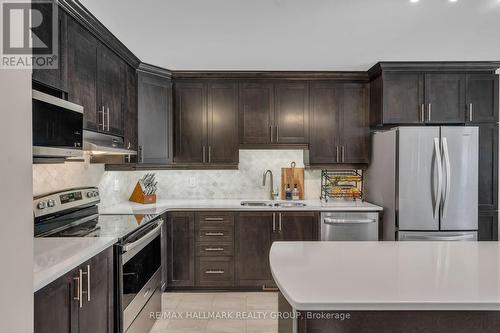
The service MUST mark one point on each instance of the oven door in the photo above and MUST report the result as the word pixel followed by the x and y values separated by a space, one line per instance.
pixel 141 271
pixel 57 127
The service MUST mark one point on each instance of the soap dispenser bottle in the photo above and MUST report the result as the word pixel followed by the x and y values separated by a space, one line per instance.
pixel 295 193
pixel 288 192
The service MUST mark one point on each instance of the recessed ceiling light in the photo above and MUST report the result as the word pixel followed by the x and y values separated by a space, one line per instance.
pixel 414 1
pixel 453 0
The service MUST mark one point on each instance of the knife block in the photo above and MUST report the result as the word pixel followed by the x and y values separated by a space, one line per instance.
pixel 139 196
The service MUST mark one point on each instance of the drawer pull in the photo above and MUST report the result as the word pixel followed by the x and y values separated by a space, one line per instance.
pixel 214 219
pixel 221 271
pixel 214 234
pixel 214 249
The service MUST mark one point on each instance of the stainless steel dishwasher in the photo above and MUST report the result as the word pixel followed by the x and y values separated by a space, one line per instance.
pixel 349 226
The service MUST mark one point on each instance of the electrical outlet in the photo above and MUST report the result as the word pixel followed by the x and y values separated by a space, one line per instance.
pixel 116 185
pixel 192 181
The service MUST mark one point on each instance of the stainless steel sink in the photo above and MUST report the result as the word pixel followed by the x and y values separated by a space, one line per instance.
pixel 289 204
pixel 257 203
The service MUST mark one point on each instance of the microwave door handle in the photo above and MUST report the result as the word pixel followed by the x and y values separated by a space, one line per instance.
pixel 447 189
pixel 151 234
pixel 440 177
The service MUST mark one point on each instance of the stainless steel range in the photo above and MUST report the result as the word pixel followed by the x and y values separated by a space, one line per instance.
pixel 138 252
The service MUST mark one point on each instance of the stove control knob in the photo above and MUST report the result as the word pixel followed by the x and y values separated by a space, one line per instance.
pixel 51 203
pixel 89 195
pixel 96 194
pixel 41 205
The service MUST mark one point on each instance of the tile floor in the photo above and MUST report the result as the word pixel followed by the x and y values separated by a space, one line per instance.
pixel 236 312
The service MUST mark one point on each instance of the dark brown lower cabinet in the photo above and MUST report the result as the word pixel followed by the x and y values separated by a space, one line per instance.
pixel 299 226
pixel 58 309
pixel 488 226
pixel 180 249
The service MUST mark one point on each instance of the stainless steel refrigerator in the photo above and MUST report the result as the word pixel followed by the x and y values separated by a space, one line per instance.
pixel 426 179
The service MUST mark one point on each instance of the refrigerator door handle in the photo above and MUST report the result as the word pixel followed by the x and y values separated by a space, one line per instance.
pixel 440 177
pixel 447 166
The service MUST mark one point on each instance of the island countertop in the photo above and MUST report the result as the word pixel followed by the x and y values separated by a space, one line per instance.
pixel 390 276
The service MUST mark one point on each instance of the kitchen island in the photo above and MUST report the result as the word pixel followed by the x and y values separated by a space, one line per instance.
pixel 388 286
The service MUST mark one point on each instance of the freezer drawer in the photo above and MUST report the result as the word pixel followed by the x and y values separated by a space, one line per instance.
pixel 343 226
pixel 437 236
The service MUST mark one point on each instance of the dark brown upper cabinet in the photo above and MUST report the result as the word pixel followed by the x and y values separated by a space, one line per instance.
pixel 256 112
pixel 274 112
pixel 291 116
pixel 444 98
pixel 481 101
pixel 339 127
pixel 206 123
pixel 433 93
pixel 110 73
pixel 155 119
pixel 82 72
pixel 55 78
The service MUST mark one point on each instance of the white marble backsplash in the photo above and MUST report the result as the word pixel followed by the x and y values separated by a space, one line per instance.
pixel 244 183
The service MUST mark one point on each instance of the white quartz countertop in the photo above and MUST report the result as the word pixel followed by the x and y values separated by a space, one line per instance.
pixel 369 276
pixel 54 257
pixel 162 206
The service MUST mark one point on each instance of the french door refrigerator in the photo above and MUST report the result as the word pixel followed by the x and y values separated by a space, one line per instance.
pixel 426 179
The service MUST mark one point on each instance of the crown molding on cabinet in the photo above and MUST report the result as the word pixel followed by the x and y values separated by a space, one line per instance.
pixel 154 70
pixel 273 75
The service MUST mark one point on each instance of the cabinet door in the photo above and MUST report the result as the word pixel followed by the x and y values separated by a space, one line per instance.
pixel 403 98
pixel 488 226
pixel 190 122
pixel 180 249
pixel 488 167
pixel 256 112
pixel 155 119
pixel 110 70
pixel 292 112
pixel 252 244
pixel 54 78
pixel 355 124
pixel 82 72
pixel 97 313
pixel 299 226
pixel 222 122
pixel 325 106
pixel 130 108
pixel 55 310
pixel 444 98
pixel 481 98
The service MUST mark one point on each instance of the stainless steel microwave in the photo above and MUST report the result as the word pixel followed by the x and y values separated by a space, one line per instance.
pixel 57 127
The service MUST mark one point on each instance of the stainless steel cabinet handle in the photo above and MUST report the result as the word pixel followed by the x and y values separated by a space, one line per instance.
pixel 422 113
pixel 214 234
pixel 271 131
pixel 78 296
pixel 343 154
pixel 216 249
pixel 210 271
pixel 80 288
pixel 470 112
pixel 214 219
pixel 430 112
pixel 274 222
pixel 280 224
pixel 141 154
pixel 88 283
pixel 337 153
pixel 108 119
pixel 277 134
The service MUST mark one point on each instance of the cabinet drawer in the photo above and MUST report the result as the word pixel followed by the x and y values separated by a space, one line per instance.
pixel 215 233
pixel 215 218
pixel 214 249
pixel 215 271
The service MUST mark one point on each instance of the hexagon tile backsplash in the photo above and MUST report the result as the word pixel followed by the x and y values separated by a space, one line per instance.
pixel 116 186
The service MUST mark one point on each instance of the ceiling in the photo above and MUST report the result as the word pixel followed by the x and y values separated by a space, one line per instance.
pixel 301 34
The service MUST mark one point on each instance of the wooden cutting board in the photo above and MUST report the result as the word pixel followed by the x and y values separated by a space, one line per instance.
pixel 292 176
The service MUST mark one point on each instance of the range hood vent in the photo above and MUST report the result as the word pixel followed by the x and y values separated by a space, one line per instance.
pixel 105 144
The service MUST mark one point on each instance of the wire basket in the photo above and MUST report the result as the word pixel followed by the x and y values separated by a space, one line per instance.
pixel 341 184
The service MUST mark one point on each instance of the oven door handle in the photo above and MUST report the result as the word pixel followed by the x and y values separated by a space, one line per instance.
pixel 152 234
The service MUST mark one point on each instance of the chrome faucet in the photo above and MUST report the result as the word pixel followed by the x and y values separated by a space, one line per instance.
pixel 272 193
